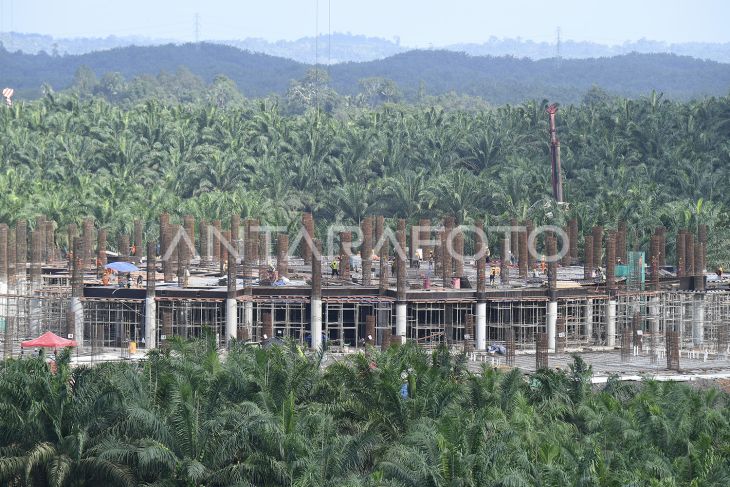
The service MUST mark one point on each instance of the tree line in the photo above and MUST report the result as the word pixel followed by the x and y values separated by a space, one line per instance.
pixel 496 80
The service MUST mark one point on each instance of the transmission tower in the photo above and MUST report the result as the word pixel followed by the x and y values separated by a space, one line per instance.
pixel 558 57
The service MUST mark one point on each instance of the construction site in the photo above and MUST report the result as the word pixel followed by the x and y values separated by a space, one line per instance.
pixel 627 312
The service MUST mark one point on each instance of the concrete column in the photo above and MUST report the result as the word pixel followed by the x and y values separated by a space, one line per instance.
pixel 588 264
pixel 216 243
pixel 370 330
pixel 598 246
pixel 150 308
pixel 383 254
pixel 552 323
pixel 573 240
pixel 446 257
pixel 654 314
pixel 401 286
pixel 282 256
pixel 345 252
pixel 231 320
pixel 551 251
pixel 481 308
pixel 235 235
pixel 231 308
pixel 305 250
pixel 316 316
pixel 11 289
pixel 400 321
pixel 504 260
pixel 36 282
pixel 7 344
pixel 611 261
pixel 367 251
pixel 588 320
pixel 88 244
pixel 611 323
pixel 522 254
pixel 315 307
pixel 77 290
pixel 459 253
pixel 530 228
pixel 203 238
pixel 21 254
pixel 481 330
pixel 248 319
pixel 698 320
pixel 78 312
pixel 137 239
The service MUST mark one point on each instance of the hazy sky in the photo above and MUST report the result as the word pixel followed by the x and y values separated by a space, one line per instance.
pixel 418 23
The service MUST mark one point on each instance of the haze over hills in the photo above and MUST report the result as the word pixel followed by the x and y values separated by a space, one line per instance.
pixel 495 79
pixel 347 47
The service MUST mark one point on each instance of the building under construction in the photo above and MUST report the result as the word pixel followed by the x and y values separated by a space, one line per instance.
pixel 431 283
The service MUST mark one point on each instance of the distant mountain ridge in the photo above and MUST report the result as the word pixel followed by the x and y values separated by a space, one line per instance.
pixel 433 72
pixel 346 47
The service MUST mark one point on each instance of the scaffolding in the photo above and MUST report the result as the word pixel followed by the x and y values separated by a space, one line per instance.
pixel 430 323
pixel 677 314
pixel 190 318
pixel 32 313
pixel 582 321
pixel 290 318
pixel 344 321
pixel 526 318
pixel 112 324
pixel 717 323
pixel 647 332
pixel 643 319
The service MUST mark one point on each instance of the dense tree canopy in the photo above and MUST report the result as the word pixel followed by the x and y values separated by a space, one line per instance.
pixel 496 80
pixel 274 417
pixel 649 162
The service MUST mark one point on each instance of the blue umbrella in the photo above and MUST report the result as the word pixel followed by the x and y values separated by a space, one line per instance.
pixel 122 267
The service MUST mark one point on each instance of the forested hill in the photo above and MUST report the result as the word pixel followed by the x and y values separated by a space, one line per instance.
pixel 496 79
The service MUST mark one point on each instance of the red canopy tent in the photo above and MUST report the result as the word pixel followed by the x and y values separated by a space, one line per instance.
pixel 48 340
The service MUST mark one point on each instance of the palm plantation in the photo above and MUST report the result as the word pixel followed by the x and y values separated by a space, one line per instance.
pixel 274 417
pixel 649 162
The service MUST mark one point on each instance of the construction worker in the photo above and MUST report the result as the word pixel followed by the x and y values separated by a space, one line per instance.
pixel 719 272
pixel 492 276
pixel 335 267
